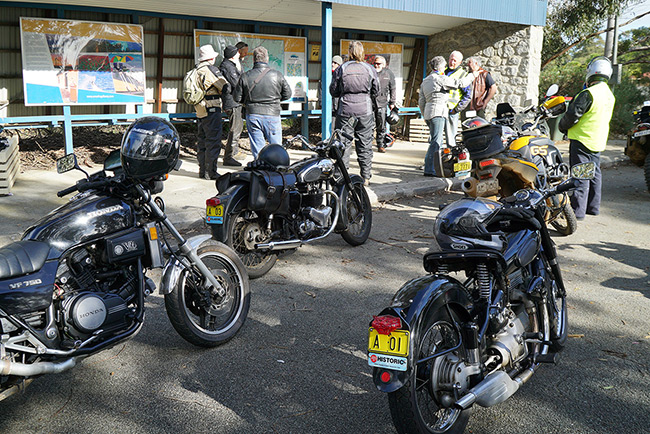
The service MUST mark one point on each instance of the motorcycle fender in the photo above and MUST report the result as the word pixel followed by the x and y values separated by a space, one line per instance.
pixel 413 303
pixel 230 199
pixel 173 269
pixel 342 191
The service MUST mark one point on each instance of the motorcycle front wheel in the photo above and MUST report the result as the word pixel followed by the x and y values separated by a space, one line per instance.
pixel 243 235
pixel 359 218
pixel 565 222
pixel 198 313
pixel 416 407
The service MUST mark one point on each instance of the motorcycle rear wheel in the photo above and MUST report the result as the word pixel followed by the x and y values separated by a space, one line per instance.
pixel 646 171
pixel 359 220
pixel 566 222
pixel 240 229
pixel 414 407
pixel 197 312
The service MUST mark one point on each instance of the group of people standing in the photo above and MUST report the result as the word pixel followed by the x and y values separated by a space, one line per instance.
pixel 229 89
pixel 445 93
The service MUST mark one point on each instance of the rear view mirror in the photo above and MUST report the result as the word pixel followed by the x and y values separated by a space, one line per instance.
pixel 66 164
pixel 552 90
pixel 583 171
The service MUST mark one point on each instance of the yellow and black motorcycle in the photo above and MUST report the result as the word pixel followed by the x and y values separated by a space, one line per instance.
pixel 514 152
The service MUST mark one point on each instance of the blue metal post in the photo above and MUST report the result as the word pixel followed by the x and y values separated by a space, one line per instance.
pixel 326 69
pixel 67 129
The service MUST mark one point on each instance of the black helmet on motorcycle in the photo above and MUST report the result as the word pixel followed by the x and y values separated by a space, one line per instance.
pixel 462 225
pixel 150 148
pixel 392 117
pixel 274 155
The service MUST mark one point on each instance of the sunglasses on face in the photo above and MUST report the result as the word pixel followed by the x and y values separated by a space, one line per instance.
pixel 378 64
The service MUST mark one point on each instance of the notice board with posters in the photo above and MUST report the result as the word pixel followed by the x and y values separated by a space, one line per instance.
pixel 287 54
pixel 391 51
pixel 68 62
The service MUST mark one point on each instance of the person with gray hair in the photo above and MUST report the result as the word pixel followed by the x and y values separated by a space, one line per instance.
pixel 434 94
pixel 386 99
pixel 458 98
pixel 483 88
pixel 260 90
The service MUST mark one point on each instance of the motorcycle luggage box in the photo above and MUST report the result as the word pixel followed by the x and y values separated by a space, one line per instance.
pixel 483 142
pixel 226 180
pixel 269 191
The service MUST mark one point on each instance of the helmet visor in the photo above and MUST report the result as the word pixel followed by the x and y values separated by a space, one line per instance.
pixel 142 144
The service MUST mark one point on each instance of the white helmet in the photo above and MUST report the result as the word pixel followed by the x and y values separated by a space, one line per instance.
pixel 599 67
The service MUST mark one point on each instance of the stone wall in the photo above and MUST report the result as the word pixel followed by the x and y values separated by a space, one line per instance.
pixel 510 52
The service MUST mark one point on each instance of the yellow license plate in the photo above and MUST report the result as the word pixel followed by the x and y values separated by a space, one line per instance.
pixel 463 166
pixel 394 344
pixel 214 211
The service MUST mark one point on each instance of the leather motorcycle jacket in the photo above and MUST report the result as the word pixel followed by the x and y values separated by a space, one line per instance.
pixel 266 94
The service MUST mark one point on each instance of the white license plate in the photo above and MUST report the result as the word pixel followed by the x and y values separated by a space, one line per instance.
pixel 395 363
pixel 641 133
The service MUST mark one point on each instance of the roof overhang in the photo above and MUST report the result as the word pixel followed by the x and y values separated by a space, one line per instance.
pixel 414 17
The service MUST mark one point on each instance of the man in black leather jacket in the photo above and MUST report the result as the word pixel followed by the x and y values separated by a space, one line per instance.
pixel 231 70
pixel 385 100
pixel 260 90
pixel 357 85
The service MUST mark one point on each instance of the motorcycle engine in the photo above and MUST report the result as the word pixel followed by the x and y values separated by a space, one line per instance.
pixel 507 343
pixel 93 294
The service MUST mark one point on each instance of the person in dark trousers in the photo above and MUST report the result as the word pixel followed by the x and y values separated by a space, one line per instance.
pixel 385 100
pixel 231 70
pixel 208 112
pixel 458 98
pixel 260 90
pixel 586 122
pixel 356 85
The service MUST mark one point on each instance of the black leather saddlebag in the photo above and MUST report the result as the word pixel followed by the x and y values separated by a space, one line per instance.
pixel 483 142
pixel 269 191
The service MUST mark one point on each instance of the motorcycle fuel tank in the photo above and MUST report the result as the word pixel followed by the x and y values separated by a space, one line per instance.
pixel 82 219
pixel 313 169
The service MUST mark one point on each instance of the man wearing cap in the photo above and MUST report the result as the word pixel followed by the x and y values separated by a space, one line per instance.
pixel 231 70
pixel 385 98
pixel 260 90
pixel 208 112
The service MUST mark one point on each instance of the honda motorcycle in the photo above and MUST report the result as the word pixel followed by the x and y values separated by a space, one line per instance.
pixel 511 153
pixel 638 141
pixel 75 284
pixel 448 341
pixel 273 206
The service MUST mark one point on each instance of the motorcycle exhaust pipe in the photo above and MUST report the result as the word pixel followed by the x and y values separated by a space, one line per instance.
pixel 294 244
pixel 469 186
pixel 39 368
pixel 494 389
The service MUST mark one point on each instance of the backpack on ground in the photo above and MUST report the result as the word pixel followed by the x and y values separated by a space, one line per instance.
pixel 193 93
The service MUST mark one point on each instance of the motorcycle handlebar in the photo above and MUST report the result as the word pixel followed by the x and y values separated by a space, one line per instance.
pixel 84 185
pixel 66 191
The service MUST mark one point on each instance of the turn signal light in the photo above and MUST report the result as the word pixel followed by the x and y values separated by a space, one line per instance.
pixel 213 201
pixel 385 324
pixel 486 163
pixel 446 150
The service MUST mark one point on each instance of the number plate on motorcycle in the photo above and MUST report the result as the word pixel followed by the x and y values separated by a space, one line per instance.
pixel 462 166
pixel 394 344
pixel 214 214
pixel 641 133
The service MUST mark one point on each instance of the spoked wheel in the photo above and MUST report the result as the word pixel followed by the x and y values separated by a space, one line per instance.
pixel 196 310
pixel 565 222
pixel 359 219
pixel 424 403
pixel 243 235
pixel 646 171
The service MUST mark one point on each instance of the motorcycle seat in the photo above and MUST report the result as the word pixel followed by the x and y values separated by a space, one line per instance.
pixel 22 257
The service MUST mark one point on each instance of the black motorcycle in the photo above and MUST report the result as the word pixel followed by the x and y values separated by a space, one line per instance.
pixel 445 344
pixel 638 141
pixel 75 284
pixel 273 206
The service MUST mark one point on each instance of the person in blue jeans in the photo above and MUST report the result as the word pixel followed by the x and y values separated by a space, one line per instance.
pixel 260 90
pixel 434 94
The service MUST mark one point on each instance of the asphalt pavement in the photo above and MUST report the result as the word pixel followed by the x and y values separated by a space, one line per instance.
pixel 396 174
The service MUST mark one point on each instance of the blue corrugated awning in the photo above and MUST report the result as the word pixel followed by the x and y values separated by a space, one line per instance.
pixel 527 12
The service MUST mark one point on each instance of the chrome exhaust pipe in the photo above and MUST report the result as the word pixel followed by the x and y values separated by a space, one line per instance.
pixel 294 244
pixel 39 368
pixel 494 389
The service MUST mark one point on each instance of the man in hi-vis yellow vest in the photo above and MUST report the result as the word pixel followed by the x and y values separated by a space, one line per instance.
pixel 586 122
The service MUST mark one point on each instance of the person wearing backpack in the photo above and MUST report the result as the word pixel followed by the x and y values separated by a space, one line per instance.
pixel 260 90
pixel 206 82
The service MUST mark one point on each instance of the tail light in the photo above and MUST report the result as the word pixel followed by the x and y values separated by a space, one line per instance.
pixel 385 324
pixel 486 163
pixel 462 156
pixel 385 377
pixel 213 201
